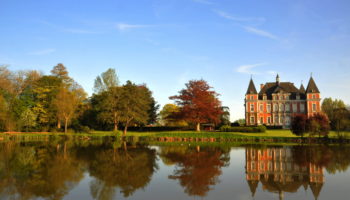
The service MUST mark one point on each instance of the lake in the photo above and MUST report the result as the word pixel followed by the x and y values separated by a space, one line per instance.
pixel 106 168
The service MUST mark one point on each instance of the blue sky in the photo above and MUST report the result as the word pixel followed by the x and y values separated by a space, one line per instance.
pixel 165 43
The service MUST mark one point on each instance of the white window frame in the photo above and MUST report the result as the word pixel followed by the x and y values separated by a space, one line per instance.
pixel 252 119
pixel 268 107
pixel 294 107
pixel 251 107
pixel 302 107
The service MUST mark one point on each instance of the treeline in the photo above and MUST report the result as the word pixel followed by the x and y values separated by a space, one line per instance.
pixel 334 116
pixel 31 101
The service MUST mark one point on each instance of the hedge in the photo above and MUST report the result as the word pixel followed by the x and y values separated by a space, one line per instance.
pixel 244 129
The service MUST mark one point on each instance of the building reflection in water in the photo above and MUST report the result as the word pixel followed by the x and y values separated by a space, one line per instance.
pixel 275 168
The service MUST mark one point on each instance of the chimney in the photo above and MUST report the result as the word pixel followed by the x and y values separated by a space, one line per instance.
pixel 261 86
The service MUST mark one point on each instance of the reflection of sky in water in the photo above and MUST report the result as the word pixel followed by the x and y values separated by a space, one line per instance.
pixel 230 179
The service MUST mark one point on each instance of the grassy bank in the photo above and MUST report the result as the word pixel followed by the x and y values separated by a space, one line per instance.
pixel 182 134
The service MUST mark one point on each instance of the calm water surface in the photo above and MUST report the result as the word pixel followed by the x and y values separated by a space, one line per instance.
pixel 106 169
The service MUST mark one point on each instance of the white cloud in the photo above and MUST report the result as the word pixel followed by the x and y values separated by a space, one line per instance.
pixel 247 69
pixel 42 52
pixel 271 72
pixel 124 27
pixel 260 32
pixel 238 19
pixel 203 2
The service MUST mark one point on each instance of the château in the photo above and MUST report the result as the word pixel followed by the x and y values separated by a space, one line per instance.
pixel 277 102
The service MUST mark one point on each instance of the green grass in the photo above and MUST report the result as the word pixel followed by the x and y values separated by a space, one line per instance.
pixel 184 134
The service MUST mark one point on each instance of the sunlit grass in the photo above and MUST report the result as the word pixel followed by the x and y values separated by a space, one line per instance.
pixel 202 134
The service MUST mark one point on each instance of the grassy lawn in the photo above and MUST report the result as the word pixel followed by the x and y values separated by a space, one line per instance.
pixel 268 133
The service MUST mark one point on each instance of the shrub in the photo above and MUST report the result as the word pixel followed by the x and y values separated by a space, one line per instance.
pixel 318 124
pixel 244 129
pixel 299 124
pixel 235 124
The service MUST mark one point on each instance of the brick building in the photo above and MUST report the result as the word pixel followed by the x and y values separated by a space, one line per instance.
pixel 277 101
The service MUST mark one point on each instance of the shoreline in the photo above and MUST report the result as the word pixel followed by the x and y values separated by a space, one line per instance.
pixel 270 137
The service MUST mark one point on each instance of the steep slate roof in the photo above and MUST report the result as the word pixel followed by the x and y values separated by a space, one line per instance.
pixel 302 89
pixel 316 189
pixel 276 87
pixel 251 88
pixel 311 87
pixel 252 186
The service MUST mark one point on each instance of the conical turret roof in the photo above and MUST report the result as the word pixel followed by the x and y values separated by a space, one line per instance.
pixel 311 87
pixel 251 88
pixel 252 186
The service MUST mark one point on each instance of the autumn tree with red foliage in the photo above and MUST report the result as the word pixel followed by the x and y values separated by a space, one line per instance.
pixel 299 124
pixel 198 103
pixel 319 124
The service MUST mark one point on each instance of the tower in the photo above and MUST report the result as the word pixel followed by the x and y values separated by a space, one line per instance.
pixel 251 104
pixel 313 98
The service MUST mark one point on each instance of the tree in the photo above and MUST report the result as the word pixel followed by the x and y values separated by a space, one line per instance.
pixel 134 105
pixel 60 71
pixel 106 80
pixel 329 106
pixel 341 120
pixel 225 116
pixel 3 113
pixel 5 80
pixel 319 124
pixel 239 122
pixel 107 105
pixel 28 119
pixel 198 104
pixel 168 116
pixel 299 124
pixel 153 106
pixel 45 91
pixel 66 103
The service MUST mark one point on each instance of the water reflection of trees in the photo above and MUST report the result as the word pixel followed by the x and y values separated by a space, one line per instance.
pixel 37 171
pixel 51 170
pixel 286 169
pixel 128 169
pixel 333 158
pixel 196 169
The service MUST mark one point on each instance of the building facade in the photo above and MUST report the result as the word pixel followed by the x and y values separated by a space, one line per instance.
pixel 277 102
